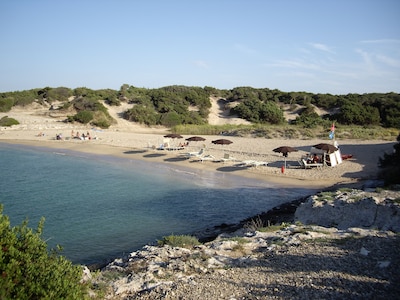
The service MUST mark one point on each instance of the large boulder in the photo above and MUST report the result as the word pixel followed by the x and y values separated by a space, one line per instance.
pixel 352 208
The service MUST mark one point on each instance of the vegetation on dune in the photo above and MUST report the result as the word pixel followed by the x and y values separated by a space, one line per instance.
pixel 29 271
pixel 167 106
pixel 289 131
pixel 6 121
pixel 178 105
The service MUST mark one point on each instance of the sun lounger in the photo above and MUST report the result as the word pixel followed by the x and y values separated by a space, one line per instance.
pixel 253 163
pixel 304 164
pixel 174 148
pixel 207 157
pixel 194 154
pixel 166 145
pixel 227 157
pixel 259 163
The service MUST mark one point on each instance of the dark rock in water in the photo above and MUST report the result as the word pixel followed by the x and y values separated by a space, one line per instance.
pixel 277 215
pixel 368 184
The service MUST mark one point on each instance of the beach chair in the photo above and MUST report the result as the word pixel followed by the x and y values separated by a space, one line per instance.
pixel 195 154
pixel 246 163
pixel 207 157
pixel 227 157
pixel 253 163
pixel 306 165
pixel 257 163
pixel 163 146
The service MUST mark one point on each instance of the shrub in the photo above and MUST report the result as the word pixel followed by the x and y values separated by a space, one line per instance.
pixel 390 163
pixel 102 120
pixel 142 114
pixel 6 104
pixel 6 121
pixel 29 271
pixel 183 241
pixel 84 116
pixel 170 119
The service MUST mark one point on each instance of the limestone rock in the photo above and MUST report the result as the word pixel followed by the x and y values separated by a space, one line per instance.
pixel 351 209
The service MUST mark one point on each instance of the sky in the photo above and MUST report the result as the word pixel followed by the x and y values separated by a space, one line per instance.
pixel 336 47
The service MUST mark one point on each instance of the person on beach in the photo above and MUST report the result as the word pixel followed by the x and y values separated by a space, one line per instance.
pixel 315 159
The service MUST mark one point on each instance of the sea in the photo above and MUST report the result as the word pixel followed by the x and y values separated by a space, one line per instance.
pixel 100 207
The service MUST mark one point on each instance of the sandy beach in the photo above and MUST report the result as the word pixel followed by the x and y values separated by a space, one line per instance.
pixel 133 141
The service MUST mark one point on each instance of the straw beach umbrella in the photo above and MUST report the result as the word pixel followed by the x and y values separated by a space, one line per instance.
pixel 222 142
pixel 173 136
pixel 195 139
pixel 328 148
pixel 285 150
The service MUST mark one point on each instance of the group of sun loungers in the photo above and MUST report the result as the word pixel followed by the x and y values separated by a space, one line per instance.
pixel 202 157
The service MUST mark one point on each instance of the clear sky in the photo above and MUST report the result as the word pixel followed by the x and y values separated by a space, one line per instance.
pixel 318 46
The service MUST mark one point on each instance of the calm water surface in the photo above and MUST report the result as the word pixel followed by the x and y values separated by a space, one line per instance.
pixel 98 207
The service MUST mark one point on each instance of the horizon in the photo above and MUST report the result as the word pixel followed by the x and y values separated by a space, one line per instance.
pixel 345 47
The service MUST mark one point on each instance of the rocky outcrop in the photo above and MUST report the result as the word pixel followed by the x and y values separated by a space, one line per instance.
pixel 279 261
pixel 352 208
pixel 274 263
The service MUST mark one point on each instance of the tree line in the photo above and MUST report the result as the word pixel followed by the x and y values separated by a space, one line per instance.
pixel 181 105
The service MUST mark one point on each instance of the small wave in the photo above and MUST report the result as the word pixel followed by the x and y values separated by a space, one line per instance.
pixel 59 153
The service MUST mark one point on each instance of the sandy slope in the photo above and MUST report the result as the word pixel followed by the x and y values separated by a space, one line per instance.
pixel 124 136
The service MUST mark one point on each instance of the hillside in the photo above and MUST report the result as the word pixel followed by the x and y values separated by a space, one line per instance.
pixel 181 105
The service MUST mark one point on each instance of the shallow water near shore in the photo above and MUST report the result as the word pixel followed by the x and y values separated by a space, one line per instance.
pixel 98 207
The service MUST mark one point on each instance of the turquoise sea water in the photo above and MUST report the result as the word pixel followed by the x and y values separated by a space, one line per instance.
pixel 98 207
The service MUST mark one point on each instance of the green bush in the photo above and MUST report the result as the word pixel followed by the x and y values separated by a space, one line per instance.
pixel 170 119
pixel 29 271
pixel 6 121
pixel 183 241
pixel 84 116
pixel 142 114
pixel 6 104
pixel 101 119
pixel 390 163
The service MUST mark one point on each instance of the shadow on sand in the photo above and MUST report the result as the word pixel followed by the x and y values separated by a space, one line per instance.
pixel 232 168
pixel 154 155
pixel 174 159
pixel 135 151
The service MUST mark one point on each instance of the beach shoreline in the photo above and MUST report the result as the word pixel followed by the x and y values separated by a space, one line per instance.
pixel 292 176
pixel 130 140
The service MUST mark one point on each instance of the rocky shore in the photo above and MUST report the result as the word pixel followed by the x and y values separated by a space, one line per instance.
pixel 297 259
